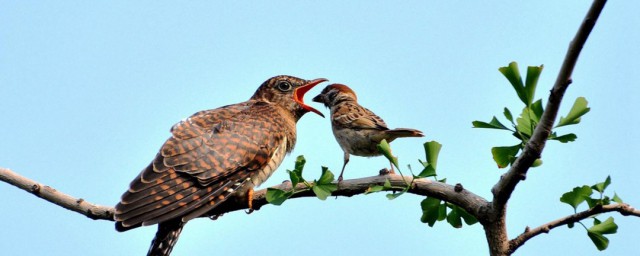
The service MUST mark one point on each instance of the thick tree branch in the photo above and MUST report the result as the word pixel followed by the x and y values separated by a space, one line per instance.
pixel 495 228
pixel 471 202
pixel 518 171
pixel 623 209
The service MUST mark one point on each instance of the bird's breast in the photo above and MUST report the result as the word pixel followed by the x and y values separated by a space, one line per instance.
pixel 357 142
pixel 263 174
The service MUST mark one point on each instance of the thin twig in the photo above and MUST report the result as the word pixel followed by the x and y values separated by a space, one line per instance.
pixel 79 205
pixel 623 209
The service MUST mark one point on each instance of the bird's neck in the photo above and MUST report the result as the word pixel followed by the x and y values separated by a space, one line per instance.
pixel 290 118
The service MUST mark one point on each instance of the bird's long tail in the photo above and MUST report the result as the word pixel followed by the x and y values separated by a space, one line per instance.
pixel 166 237
pixel 403 132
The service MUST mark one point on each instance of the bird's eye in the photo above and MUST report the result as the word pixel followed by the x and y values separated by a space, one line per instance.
pixel 284 86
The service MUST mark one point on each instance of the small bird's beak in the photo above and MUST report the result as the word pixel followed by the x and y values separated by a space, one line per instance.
pixel 298 94
pixel 318 98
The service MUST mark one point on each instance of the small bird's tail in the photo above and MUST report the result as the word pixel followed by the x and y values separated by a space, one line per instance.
pixel 166 237
pixel 402 133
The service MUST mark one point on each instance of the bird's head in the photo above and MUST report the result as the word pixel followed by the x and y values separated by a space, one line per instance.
pixel 334 94
pixel 288 92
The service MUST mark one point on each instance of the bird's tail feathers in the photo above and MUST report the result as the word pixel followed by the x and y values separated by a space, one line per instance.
pixel 403 132
pixel 166 237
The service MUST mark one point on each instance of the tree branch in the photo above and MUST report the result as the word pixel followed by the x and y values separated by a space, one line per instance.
pixel 495 228
pixel 518 171
pixel 469 201
pixel 622 208
pixel 79 205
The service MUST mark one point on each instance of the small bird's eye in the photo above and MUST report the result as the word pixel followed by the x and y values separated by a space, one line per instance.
pixel 284 86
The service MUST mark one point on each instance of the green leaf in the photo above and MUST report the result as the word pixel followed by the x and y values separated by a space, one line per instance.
pixel 537 110
pixel 395 195
pixel 385 149
pixel 533 73
pixel 504 155
pixel 571 224
pixel 579 109
pixel 326 177
pixel 457 214
pixel 373 189
pixel 606 227
pixel 596 221
pixel 378 188
pixel 454 218
pixel 442 215
pixel 599 229
pixel 300 161
pixel 598 240
pixel 521 136
pixel 616 198
pixel 295 179
pixel 432 150
pixel 296 174
pixel 494 124
pixel 564 138
pixel 527 121
pixel 323 187
pixel 468 218
pixel 276 196
pixel 430 210
pixel 428 170
pixel 592 202
pixel 576 196
pixel 512 74
pixel 600 187
pixel 324 191
pixel 536 163
pixel 508 115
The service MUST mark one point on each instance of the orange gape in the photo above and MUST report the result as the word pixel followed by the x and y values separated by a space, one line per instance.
pixel 213 155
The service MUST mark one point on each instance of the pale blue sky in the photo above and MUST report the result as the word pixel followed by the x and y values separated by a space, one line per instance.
pixel 88 92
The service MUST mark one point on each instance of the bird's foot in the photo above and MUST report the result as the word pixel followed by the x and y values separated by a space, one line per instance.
pixel 250 201
pixel 339 181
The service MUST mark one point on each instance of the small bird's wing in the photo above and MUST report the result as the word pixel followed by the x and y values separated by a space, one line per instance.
pixel 353 116
pixel 210 155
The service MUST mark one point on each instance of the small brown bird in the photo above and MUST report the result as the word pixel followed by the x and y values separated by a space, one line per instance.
pixel 212 156
pixel 357 129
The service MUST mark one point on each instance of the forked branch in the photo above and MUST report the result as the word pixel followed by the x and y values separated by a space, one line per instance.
pixel 495 229
pixel 518 171
pixel 622 208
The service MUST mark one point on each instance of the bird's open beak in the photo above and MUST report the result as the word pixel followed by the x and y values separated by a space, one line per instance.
pixel 298 94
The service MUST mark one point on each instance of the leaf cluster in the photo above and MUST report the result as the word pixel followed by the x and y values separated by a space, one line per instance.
pixel 584 193
pixel 523 126
pixel 433 209
pixel 431 149
pixel 322 187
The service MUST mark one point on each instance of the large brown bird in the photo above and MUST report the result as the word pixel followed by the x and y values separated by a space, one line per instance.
pixel 212 156
pixel 357 129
